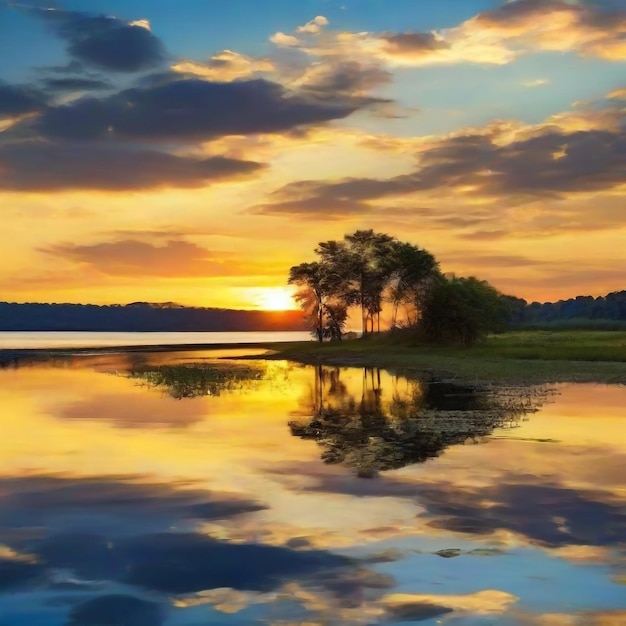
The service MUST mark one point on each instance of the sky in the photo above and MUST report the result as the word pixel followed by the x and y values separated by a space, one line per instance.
pixel 192 151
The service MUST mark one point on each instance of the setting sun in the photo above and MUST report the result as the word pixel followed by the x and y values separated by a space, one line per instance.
pixel 273 298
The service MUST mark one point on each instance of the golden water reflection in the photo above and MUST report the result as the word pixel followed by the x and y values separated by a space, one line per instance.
pixel 248 504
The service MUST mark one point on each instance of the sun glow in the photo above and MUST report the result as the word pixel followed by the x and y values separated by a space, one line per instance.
pixel 273 298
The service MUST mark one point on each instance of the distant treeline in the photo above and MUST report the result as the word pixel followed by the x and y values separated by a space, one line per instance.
pixel 141 316
pixel 583 311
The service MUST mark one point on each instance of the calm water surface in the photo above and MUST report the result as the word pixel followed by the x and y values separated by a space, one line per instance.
pixel 180 490
pixel 72 339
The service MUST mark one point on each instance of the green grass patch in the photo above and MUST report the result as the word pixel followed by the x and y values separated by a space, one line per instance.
pixel 529 356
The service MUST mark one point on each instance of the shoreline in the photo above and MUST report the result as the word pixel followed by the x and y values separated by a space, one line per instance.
pixel 397 359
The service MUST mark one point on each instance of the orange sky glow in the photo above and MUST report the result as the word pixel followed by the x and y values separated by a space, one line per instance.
pixel 492 135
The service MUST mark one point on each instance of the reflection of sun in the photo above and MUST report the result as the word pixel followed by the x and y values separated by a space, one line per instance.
pixel 273 298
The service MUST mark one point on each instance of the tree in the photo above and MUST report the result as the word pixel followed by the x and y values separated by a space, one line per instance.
pixel 369 264
pixel 414 270
pixel 462 311
pixel 320 298
pixel 312 295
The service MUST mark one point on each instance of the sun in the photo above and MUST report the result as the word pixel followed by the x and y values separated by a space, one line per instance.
pixel 274 298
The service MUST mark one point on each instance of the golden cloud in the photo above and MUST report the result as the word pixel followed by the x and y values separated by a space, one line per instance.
pixel 225 66
pixel 494 37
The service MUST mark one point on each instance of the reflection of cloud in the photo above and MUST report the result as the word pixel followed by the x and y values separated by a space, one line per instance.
pixel 127 410
pixel 547 514
pixel 113 502
pixel 486 602
pixel 181 563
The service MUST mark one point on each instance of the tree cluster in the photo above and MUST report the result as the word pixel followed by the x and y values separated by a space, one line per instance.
pixel 367 270
pixel 611 307
pixel 363 270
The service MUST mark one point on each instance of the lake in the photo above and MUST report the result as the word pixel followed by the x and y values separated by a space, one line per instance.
pixel 182 489
pixel 42 340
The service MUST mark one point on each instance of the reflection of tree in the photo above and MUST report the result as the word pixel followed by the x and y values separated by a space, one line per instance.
pixel 422 418
pixel 198 379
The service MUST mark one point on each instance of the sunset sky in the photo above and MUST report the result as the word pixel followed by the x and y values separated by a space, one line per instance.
pixel 193 150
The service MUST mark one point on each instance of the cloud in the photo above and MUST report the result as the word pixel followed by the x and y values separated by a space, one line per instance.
pixel 343 77
pixel 76 84
pixel 314 26
pixel 176 258
pixel 284 40
pixel 50 166
pixel 195 110
pixel 493 37
pixel 116 609
pixel 493 172
pixel 17 100
pixel 412 44
pixel 225 66
pixel 313 208
pixel 537 82
pixel 105 42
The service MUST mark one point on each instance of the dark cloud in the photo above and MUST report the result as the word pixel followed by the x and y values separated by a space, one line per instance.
pixel 139 258
pixel 49 166
pixel 548 165
pixel 412 43
pixel 195 110
pixel 105 42
pixel 416 611
pixel 517 13
pixel 14 573
pixel 116 610
pixel 313 208
pixel 20 99
pixel 345 77
pixel 76 84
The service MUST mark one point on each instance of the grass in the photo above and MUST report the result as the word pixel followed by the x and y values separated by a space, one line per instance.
pixel 521 356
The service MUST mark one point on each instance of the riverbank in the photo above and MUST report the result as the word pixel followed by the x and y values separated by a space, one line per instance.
pixel 526 356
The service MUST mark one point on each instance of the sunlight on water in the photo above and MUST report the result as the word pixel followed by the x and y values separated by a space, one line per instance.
pixel 70 339
pixel 179 489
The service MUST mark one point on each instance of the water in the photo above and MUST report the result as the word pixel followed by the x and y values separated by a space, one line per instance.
pixel 137 492
pixel 48 339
